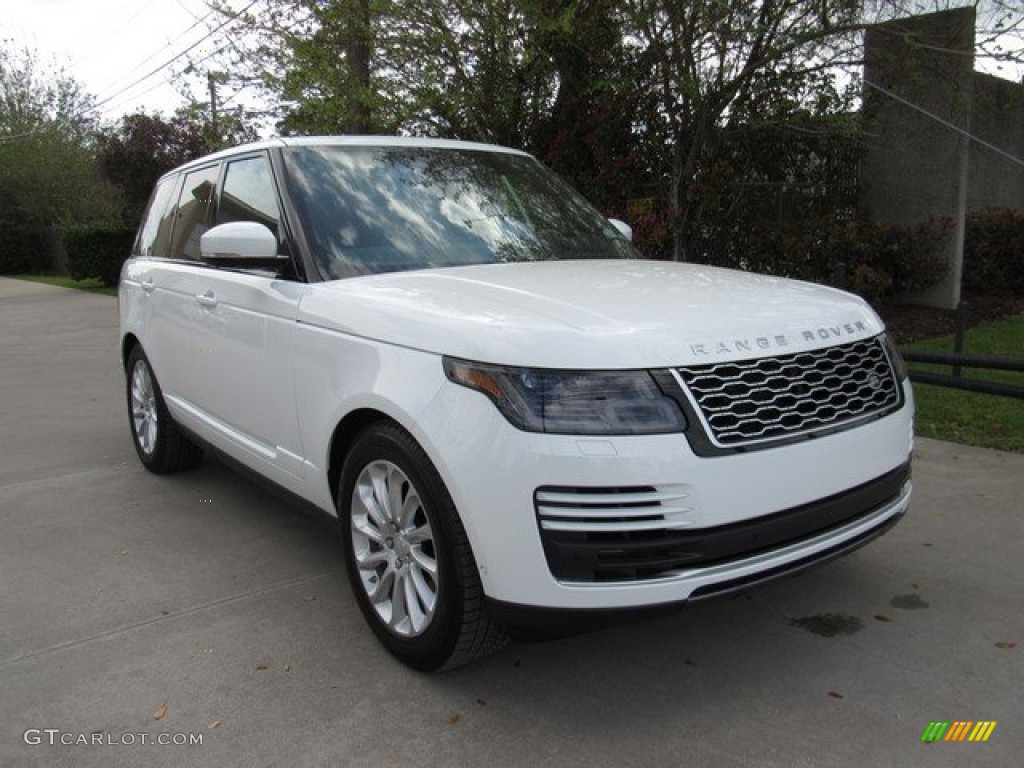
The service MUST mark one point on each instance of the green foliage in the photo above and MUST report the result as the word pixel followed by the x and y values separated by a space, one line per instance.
pixel 884 260
pixel 97 250
pixel 135 153
pixel 20 247
pixel 47 174
pixel 729 115
pixel 880 260
pixel 994 252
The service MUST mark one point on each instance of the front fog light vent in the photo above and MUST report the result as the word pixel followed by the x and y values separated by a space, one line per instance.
pixel 614 510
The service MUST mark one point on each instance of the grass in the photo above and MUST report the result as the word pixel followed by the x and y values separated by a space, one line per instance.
pixel 90 284
pixel 959 416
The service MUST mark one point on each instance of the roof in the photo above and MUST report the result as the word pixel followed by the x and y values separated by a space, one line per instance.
pixel 348 141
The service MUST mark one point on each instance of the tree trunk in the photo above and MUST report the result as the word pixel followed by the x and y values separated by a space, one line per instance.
pixel 358 51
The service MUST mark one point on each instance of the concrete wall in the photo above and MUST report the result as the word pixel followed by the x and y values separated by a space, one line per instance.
pixel 997 117
pixel 915 167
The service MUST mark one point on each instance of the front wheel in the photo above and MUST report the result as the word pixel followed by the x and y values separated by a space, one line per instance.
pixel 409 562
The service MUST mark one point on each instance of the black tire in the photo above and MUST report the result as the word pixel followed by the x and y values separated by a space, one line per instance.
pixel 459 628
pixel 160 444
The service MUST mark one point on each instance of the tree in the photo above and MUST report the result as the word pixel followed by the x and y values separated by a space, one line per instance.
pixel 141 148
pixel 640 98
pixel 137 151
pixel 47 175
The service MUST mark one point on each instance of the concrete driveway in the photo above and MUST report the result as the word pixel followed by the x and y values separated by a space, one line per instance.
pixel 136 608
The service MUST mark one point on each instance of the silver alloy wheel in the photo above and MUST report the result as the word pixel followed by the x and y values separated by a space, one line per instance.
pixel 393 546
pixel 144 411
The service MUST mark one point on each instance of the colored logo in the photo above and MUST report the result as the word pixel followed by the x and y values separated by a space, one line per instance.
pixel 958 730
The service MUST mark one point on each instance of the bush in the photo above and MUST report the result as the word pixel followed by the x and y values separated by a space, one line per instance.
pixel 97 250
pixel 882 260
pixel 21 249
pixel 885 260
pixel 994 252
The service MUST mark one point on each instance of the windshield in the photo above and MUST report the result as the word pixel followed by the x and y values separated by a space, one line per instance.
pixel 367 210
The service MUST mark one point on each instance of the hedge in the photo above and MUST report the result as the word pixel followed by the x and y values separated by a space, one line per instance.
pixel 994 252
pixel 97 250
pixel 20 250
pixel 881 260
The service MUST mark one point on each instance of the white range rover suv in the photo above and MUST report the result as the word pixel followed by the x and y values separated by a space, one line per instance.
pixel 518 423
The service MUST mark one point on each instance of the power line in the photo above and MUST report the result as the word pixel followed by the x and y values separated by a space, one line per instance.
pixel 167 63
pixel 134 97
pixel 96 107
pixel 160 50
pixel 152 56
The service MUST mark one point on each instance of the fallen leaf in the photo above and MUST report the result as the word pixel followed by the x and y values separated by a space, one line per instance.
pixel 287 667
pixel 881 617
pixel 835 695
pixel 161 712
pixel 1005 645
pixel 452 719
pixel 261 667
pixel 915 585
pixel 215 724
pixel 481 703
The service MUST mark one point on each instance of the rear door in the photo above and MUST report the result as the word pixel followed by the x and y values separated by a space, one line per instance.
pixel 173 283
pixel 152 293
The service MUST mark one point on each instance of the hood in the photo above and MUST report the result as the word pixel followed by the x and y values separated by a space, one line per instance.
pixel 590 314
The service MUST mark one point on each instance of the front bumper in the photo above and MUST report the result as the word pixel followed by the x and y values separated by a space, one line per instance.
pixel 530 622
pixel 634 555
pixel 746 518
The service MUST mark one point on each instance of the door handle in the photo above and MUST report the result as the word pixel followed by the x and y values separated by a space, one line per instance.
pixel 148 285
pixel 208 299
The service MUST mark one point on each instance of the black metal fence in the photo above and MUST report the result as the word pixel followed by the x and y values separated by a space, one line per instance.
pixel 959 359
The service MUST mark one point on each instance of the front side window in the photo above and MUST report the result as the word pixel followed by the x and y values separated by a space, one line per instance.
pixel 193 214
pixel 248 193
pixel 385 209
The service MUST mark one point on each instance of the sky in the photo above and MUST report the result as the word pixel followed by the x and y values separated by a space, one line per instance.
pixel 107 45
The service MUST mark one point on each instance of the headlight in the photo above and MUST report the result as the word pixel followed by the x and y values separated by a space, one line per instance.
pixel 572 402
pixel 899 365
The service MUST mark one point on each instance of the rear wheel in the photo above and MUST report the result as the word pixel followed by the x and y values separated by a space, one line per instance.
pixel 408 558
pixel 159 442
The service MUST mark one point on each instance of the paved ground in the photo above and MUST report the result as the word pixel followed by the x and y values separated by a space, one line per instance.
pixel 201 598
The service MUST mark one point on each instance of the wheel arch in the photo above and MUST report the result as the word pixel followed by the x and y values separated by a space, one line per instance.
pixel 128 343
pixel 344 436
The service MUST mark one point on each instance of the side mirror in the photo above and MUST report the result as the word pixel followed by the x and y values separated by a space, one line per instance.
pixel 240 241
pixel 624 229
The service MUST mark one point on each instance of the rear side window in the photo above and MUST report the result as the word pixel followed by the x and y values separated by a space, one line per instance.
pixel 154 237
pixel 193 217
pixel 248 193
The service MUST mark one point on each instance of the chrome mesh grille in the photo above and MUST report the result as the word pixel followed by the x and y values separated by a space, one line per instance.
pixel 774 397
